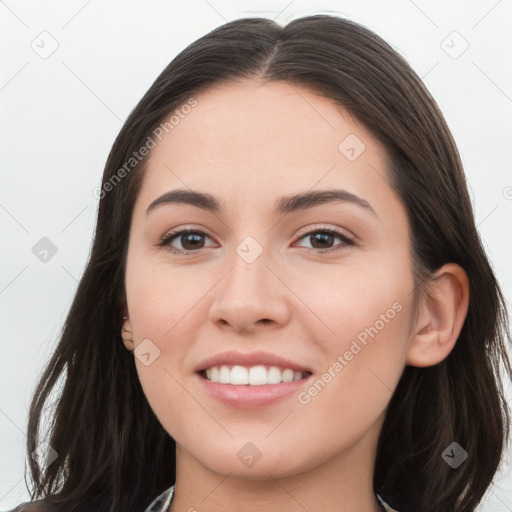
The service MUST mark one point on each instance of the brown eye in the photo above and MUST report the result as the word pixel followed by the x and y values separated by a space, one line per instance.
pixel 321 239
pixel 190 240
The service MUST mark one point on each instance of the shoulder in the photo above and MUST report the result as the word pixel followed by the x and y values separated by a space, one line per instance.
pixel 162 502
pixel 35 506
pixel 386 507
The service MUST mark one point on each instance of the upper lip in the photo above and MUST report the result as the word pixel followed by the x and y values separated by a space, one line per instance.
pixel 250 359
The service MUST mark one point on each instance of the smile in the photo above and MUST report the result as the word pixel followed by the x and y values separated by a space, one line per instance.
pixel 258 375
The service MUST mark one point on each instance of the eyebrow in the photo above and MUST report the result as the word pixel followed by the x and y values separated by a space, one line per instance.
pixel 283 206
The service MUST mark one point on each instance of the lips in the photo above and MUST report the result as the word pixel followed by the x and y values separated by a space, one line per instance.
pixel 251 359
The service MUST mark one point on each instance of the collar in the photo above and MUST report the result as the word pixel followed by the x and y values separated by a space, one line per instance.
pixel 162 503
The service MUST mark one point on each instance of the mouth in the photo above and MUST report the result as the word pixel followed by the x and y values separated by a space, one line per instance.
pixel 257 375
pixel 251 380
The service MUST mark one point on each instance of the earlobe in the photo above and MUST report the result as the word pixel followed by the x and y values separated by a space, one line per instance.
pixel 441 317
pixel 127 335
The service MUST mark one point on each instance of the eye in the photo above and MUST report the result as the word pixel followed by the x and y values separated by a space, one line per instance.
pixel 190 240
pixel 321 238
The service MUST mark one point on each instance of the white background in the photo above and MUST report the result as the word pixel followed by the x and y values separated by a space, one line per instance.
pixel 60 115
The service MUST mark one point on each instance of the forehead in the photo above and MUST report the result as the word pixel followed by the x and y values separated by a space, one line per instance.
pixel 249 142
pixel 262 121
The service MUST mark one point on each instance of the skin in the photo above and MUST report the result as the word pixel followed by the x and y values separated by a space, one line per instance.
pixel 248 143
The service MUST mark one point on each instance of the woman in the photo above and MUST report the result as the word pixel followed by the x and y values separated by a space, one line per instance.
pixel 287 304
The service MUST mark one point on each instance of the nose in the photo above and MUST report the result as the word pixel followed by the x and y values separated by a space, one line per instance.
pixel 251 296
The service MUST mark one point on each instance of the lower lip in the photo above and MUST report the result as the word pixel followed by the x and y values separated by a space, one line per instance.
pixel 251 397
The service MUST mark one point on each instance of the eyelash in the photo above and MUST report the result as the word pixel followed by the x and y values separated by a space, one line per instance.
pixel 169 237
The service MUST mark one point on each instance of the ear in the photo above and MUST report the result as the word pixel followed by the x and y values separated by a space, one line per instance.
pixel 441 316
pixel 126 333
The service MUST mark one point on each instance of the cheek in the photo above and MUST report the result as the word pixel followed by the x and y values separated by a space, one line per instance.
pixel 364 362
pixel 363 300
pixel 162 298
pixel 162 303
pixel 367 314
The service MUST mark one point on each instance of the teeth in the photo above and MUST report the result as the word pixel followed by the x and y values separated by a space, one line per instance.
pixel 254 375
pixel 257 375
pixel 239 376
pixel 224 375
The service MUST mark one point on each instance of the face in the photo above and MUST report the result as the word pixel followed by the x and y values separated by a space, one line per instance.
pixel 300 309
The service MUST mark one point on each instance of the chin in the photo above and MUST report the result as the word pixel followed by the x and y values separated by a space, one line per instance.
pixel 246 462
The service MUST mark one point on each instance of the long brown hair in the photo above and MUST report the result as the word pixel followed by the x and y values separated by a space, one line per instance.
pixel 113 454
